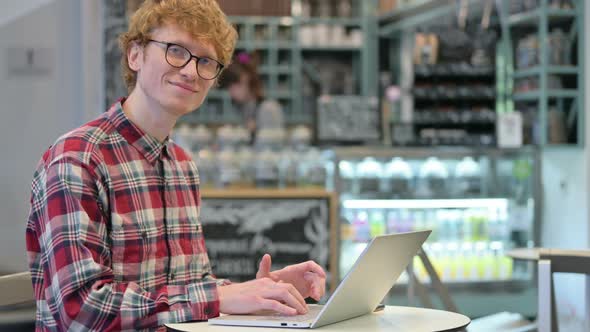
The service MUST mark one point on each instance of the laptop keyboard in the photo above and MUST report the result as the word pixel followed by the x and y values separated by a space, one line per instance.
pixel 314 310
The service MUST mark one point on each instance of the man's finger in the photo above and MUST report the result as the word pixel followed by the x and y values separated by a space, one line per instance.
pixel 317 285
pixel 277 306
pixel 283 294
pixel 294 292
pixel 315 268
pixel 264 267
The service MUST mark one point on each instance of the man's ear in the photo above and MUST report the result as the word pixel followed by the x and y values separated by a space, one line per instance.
pixel 134 56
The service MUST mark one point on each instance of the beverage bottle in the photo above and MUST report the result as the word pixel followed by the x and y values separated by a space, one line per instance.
pixel 468 216
pixel 347 236
pixel 468 178
pixel 266 172
pixel 493 225
pixel 480 252
pixel 419 220
pixel 433 178
pixel 392 222
pixel 361 227
pixel 369 174
pixel 483 226
pixel 377 223
pixel 454 260
pixel 406 221
pixel 207 168
pixel 503 229
pixel 228 167
pixel 432 224
pixel 398 177
pixel 469 262
pixel 445 263
pixel 442 220
pixel 288 165
pixel 347 178
pixel 246 160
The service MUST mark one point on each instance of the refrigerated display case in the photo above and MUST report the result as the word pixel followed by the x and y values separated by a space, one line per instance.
pixel 479 203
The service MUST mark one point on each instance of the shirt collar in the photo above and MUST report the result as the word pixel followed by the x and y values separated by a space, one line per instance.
pixel 150 147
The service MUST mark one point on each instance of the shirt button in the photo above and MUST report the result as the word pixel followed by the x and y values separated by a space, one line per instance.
pixel 144 235
pixel 206 311
pixel 172 276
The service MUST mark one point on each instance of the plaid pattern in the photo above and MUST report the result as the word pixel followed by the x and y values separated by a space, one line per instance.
pixel 113 237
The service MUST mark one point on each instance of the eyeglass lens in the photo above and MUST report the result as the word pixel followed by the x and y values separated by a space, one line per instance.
pixel 179 56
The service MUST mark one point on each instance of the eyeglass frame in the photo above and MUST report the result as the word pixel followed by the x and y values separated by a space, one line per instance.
pixel 220 65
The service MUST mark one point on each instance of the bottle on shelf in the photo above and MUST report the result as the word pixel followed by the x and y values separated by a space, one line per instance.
pixel 419 217
pixel 467 225
pixel 469 265
pixel 481 226
pixel 454 260
pixel 454 232
pixel 228 167
pixel 432 224
pixel 312 170
pixel 207 167
pixel 377 224
pixel 502 263
pixel 246 160
pixel 288 166
pixel 468 178
pixel 433 177
pixel 226 162
pixel 369 173
pixel 480 262
pixel 201 138
pixel 347 243
pixel 347 234
pixel 398 177
pixel 266 173
pixel 347 178
pixel 300 138
pixel 406 221
pixel 393 222
pixel 498 225
pixel 442 218
pixel 361 227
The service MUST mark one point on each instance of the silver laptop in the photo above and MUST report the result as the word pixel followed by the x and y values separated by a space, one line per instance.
pixel 364 286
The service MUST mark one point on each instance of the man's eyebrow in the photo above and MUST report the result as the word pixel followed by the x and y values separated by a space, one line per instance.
pixel 204 54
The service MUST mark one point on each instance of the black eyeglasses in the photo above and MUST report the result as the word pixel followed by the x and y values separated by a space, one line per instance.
pixel 178 56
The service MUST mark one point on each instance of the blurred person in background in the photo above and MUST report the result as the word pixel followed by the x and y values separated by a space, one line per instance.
pixel 113 236
pixel 242 81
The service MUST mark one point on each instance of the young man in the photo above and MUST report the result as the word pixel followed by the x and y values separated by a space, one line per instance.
pixel 113 236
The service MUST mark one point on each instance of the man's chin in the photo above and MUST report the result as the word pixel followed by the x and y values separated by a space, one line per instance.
pixel 181 110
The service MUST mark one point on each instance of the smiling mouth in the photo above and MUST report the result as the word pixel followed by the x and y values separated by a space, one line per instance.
pixel 185 87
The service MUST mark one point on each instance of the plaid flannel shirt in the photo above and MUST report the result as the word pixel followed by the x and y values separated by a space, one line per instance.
pixel 113 237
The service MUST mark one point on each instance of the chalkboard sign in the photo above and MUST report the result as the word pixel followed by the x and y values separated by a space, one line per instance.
pixel 293 226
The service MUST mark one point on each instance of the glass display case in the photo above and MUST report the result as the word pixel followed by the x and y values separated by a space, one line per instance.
pixel 479 203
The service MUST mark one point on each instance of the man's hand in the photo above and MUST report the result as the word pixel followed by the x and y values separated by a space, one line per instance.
pixel 261 294
pixel 308 278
